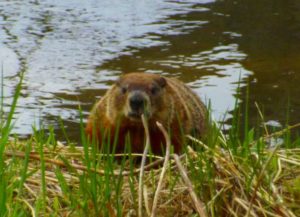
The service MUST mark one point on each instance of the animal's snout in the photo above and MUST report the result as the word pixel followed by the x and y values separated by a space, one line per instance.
pixel 137 102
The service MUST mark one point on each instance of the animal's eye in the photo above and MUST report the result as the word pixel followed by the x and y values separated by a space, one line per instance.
pixel 123 90
pixel 154 90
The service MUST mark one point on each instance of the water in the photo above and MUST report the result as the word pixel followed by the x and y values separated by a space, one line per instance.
pixel 72 51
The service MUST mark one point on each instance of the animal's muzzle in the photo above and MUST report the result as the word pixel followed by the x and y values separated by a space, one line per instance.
pixel 137 102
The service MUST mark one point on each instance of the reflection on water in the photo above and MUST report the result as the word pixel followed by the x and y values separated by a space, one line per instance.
pixel 71 51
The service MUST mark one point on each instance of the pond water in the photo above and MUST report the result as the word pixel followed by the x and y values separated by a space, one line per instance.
pixel 71 52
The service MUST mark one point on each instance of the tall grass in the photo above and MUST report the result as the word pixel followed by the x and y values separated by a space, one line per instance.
pixel 6 127
pixel 227 174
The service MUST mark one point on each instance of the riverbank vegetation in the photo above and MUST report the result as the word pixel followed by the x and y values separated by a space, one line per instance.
pixel 225 175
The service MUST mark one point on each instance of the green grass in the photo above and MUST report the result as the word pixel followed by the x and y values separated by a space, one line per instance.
pixel 230 175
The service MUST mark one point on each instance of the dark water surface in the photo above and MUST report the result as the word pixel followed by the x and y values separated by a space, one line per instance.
pixel 71 51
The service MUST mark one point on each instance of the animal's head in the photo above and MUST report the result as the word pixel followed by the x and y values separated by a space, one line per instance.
pixel 139 93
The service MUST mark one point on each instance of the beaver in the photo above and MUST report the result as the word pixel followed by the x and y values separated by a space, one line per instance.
pixel 116 119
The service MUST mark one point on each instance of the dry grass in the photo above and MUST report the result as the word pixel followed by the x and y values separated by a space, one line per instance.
pixel 265 184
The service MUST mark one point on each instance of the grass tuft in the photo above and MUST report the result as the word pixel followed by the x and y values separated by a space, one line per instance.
pixel 216 181
pixel 221 176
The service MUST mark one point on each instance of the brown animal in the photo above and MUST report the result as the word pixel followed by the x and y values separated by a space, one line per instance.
pixel 167 100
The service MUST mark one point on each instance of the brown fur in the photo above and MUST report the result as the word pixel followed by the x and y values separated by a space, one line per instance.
pixel 167 100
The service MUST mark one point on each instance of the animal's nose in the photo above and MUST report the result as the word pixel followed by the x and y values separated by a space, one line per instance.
pixel 137 102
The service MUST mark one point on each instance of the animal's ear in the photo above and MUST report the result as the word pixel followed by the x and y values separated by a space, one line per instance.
pixel 162 81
